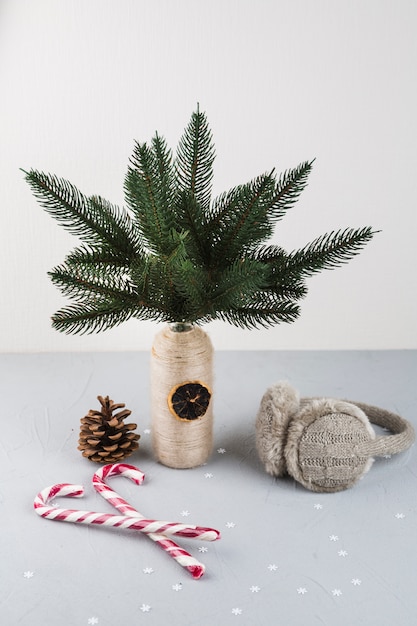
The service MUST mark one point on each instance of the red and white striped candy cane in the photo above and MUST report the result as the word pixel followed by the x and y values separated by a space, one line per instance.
pixel 182 557
pixel 42 508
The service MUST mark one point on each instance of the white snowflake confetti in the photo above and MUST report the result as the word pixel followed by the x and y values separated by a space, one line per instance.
pixel 28 574
pixel 208 475
pixel 93 621
pixel 203 549
pixel 336 592
pixel 230 524
pixel 221 450
pixel 333 538
pixel 301 591
pixel 185 513
pixel 387 456
pixel 147 431
pixel 400 515
pixel 148 570
pixel 356 581
pixel 272 567
pixel 255 589
pixel 177 587
pixel 318 506
pixel 342 553
pixel 145 608
pixel 237 611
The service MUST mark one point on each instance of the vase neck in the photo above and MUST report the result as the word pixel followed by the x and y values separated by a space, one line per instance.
pixel 180 327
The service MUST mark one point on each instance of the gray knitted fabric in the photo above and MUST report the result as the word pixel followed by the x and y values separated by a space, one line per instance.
pixel 325 444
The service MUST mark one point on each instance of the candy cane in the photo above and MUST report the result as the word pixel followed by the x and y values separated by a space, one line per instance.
pixel 182 557
pixel 117 521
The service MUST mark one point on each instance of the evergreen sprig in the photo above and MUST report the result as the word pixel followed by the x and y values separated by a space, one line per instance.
pixel 177 255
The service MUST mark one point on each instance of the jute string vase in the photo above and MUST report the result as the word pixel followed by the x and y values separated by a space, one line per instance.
pixel 181 396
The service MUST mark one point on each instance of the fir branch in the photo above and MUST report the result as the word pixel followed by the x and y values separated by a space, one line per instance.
pixel 288 189
pixel 194 160
pixel 279 280
pixel 89 282
pixel 92 257
pixel 166 177
pixel 94 220
pixel 155 287
pixel 286 288
pixel 192 285
pixel 170 282
pixel 88 317
pixel 245 216
pixel 122 234
pixel 239 219
pixel 148 188
pixel 190 216
pixel 234 284
pixel 265 311
pixel 140 273
pixel 328 251
pixel 177 247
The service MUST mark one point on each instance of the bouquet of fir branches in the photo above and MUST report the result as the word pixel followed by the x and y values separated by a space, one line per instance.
pixel 175 254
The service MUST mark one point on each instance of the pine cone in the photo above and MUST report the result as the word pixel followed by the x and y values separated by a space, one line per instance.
pixel 104 437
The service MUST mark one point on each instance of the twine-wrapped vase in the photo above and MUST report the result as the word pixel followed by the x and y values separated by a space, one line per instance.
pixel 181 396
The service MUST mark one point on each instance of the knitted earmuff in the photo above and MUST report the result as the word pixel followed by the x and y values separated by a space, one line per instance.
pixel 327 445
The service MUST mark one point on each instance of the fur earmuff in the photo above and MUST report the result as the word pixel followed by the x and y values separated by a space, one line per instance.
pixel 279 403
pixel 323 446
pixel 326 444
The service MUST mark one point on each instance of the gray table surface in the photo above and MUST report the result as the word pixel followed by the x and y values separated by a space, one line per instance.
pixel 287 556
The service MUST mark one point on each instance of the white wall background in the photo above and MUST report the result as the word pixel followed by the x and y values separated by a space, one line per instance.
pixel 282 81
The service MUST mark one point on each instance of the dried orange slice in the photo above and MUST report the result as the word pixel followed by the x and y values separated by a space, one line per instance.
pixel 189 401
